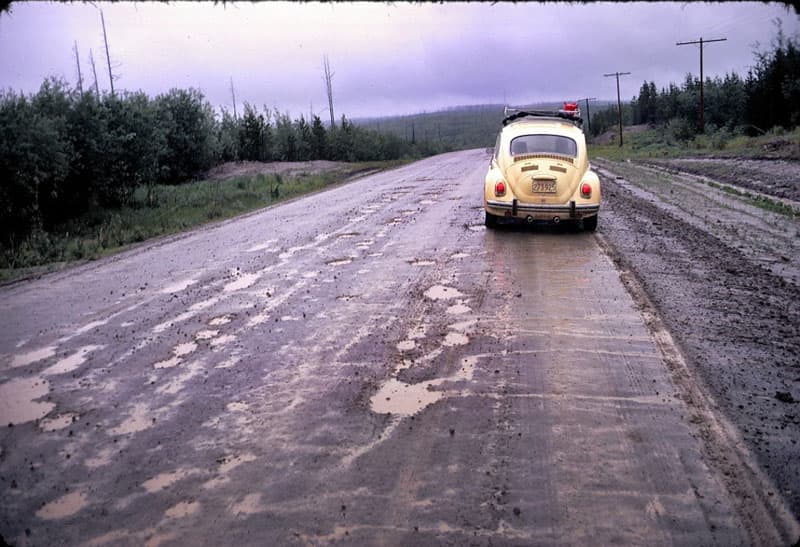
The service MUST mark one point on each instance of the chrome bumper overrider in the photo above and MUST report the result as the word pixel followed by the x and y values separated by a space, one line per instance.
pixel 571 209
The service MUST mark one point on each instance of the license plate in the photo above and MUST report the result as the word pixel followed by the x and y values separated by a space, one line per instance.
pixel 544 187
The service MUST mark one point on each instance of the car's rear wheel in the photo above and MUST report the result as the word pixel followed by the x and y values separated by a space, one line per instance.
pixel 491 220
pixel 590 223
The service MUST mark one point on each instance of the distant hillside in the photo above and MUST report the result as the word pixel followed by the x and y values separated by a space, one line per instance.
pixel 455 128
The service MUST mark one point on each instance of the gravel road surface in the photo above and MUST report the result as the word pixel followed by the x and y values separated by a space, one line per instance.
pixel 369 365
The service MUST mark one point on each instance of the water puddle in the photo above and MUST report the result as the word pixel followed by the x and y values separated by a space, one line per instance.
pixel 165 480
pixel 458 309
pixel 402 399
pixel 427 202
pixel 138 420
pixel 477 228
pixel 262 246
pixel 103 458
pixel 455 339
pixel 249 505
pixel 18 400
pixel 57 423
pixel 68 364
pixel 219 321
pixel 396 397
pixel 63 507
pixel 32 356
pixel 178 286
pixel 178 352
pixel 460 255
pixel 206 334
pixel 229 363
pixel 237 407
pixel 339 262
pixel 348 235
pixel 244 281
pixel 406 345
pixel 416 262
pixel 203 304
pixel 440 292
pixel 182 510
pixel 222 341
pixel 91 326
pixel 226 465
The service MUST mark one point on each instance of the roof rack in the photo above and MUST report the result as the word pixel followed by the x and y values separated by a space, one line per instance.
pixel 570 112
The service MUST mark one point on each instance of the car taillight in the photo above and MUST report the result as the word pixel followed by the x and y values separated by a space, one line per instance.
pixel 586 190
pixel 500 188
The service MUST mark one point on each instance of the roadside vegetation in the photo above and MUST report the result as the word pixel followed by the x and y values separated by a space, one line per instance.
pixel 755 116
pixel 160 210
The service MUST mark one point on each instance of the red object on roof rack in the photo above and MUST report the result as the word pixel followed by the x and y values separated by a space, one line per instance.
pixel 571 107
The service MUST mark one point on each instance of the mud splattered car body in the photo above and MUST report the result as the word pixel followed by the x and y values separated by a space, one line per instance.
pixel 540 171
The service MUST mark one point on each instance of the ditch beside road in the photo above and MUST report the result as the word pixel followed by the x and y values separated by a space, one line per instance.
pixel 723 275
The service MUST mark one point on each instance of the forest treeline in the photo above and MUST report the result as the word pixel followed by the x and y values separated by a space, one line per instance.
pixel 63 151
pixel 768 97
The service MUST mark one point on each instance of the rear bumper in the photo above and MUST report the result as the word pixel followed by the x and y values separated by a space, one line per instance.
pixel 515 208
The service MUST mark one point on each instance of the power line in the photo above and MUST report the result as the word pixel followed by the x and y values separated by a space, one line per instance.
pixel 619 101
pixel 701 42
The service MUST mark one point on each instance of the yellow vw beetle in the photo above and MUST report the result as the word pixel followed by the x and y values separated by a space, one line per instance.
pixel 540 170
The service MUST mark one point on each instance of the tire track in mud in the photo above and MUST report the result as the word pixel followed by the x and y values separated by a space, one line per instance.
pixel 736 323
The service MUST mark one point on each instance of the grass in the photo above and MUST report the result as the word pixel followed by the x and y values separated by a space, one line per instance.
pixel 657 143
pixel 168 210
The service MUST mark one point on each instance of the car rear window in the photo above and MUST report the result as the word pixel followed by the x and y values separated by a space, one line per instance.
pixel 547 144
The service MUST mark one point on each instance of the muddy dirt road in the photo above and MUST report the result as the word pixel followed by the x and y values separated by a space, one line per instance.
pixel 367 365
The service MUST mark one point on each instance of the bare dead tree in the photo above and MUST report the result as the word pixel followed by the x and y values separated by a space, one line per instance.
pixel 329 87
pixel 94 71
pixel 233 95
pixel 78 65
pixel 108 56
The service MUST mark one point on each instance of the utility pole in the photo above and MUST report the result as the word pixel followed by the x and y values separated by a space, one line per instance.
pixel 94 71
pixel 619 101
pixel 329 87
pixel 701 42
pixel 586 101
pixel 78 64
pixel 108 57
pixel 233 96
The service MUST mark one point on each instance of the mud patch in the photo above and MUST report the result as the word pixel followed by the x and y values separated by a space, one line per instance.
pixel 138 420
pixel 406 345
pixel 402 399
pixel 226 465
pixel 57 423
pixel 458 309
pixel 63 507
pixel 33 357
pixel 182 510
pixel 179 286
pixel 455 339
pixel 440 292
pixel 178 352
pixel 249 505
pixel 244 281
pixel 18 400
pixel 219 321
pixel 68 364
pixel 165 480
pixel 339 261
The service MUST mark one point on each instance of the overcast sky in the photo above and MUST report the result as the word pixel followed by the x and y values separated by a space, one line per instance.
pixel 387 58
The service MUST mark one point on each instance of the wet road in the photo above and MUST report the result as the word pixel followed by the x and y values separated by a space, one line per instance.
pixel 366 365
